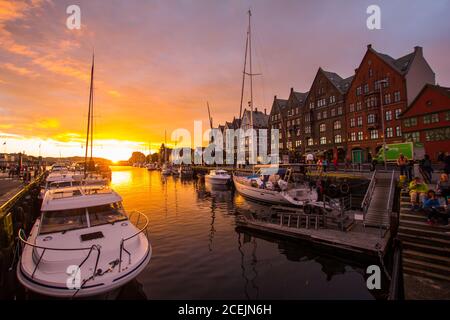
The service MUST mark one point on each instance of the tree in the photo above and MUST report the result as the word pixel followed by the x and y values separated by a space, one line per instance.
pixel 137 157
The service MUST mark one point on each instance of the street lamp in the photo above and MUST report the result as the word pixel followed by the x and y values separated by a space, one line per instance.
pixel 381 82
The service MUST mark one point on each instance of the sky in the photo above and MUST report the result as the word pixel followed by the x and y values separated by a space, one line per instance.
pixel 159 62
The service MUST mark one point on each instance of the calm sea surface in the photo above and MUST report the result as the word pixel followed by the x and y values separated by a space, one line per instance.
pixel 198 254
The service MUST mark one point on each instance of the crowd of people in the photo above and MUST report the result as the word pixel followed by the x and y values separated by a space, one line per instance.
pixel 24 172
pixel 433 202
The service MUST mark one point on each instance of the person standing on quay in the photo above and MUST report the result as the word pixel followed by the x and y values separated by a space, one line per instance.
pixel 402 161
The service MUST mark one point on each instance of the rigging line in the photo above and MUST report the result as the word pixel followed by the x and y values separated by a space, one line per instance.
pixel 243 75
pixel 89 118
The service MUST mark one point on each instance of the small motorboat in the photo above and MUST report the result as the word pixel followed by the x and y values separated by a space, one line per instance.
pixel 84 244
pixel 218 177
pixel 166 170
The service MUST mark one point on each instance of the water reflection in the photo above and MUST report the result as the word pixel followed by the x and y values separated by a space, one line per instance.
pixel 199 254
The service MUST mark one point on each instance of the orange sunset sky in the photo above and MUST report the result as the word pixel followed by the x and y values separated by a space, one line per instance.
pixel 158 62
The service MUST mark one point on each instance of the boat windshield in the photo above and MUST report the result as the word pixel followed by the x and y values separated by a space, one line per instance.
pixel 72 219
pixel 63 220
pixel 60 184
pixel 105 214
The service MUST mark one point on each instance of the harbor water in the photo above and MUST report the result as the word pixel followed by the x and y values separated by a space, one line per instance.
pixel 198 254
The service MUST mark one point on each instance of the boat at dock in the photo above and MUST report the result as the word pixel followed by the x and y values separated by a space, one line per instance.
pixel 84 230
pixel 166 170
pixel 218 177
pixel 273 186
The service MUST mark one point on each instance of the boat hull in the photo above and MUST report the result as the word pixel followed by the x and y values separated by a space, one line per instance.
pixel 216 181
pixel 263 195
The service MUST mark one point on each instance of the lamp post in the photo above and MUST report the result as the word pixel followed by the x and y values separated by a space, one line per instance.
pixel 381 83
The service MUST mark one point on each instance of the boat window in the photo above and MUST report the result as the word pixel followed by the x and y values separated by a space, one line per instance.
pixel 108 213
pixel 63 220
pixel 61 184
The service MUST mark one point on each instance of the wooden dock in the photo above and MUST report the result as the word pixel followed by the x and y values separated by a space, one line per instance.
pixel 8 188
pixel 426 254
pixel 355 238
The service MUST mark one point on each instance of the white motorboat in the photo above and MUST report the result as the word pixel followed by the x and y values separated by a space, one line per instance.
pixel 84 244
pixel 274 188
pixel 166 170
pixel 60 179
pixel 59 167
pixel 220 177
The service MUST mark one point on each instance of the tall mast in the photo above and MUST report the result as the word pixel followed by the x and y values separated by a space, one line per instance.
pixel 89 129
pixel 251 70
pixel 243 75
pixel 92 109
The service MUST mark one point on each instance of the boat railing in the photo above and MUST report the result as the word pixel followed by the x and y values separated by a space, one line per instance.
pixel 368 196
pixel 140 231
pixel 24 242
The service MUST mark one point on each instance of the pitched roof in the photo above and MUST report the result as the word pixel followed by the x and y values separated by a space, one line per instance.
pixel 341 84
pixel 260 119
pixel 300 96
pixel 443 90
pixel 401 64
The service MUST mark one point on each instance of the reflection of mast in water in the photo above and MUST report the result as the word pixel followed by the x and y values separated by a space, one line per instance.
pixel 254 262
pixel 243 267
pixel 176 198
pixel 213 218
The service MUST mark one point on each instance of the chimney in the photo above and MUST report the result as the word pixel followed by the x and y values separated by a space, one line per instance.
pixel 292 89
pixel 256 109
pixel 356 70
pixel 275 98
pixel 369 46
pixel 265 111
pixel 418 50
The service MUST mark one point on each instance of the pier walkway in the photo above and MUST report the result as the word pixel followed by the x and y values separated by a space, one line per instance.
pixel 8 188
pixel 426 254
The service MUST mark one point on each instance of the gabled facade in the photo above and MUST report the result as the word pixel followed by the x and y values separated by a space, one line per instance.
pixel 277 120
pixel 323 121
pixel 260 121
pixel 294 109
pixel 381 82
pixel 427 120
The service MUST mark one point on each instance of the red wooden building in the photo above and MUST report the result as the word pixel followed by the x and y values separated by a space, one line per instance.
pixel 427 120
pixel 394 83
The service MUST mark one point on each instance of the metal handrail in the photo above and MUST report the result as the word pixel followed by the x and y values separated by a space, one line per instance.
pixel 390 198
pixel 368 196
pixel 122 242
pixel 45 249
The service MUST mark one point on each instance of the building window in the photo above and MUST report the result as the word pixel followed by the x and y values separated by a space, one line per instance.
pixel 298 143
pixel 398 130
pixel 337 125
pixel 396 96
pixel 371 102
pixel 319 115
pixel 310 142
pixel 358 106
pixel 337 138
pixel 387 98
pixel 308 129
pixel 389 132
pixel 352 122
pixel 373 134
pixel 360 135
pixel 366 88
pixel 437 134
pixel 333 112
pixel 340 110
pixel 298 132
pixel 360 121
pixel 447 116
pixel 322 127
pixel 371 118
pixel 323 140
pixel 411 122
pixel 358 91
pixel 412 136
pixel 332 99
pixel 307 117
pixel 311 105
pixel 397 113
pixel 370 73
pixel 353 136
pixel 351 107
pixel 388 115
pixel 435 118
pixel 324 114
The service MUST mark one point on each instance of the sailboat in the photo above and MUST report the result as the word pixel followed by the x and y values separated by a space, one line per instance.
pixel 273 185
pixel 84 243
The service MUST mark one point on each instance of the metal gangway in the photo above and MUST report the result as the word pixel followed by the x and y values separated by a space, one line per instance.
pixel 378 201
